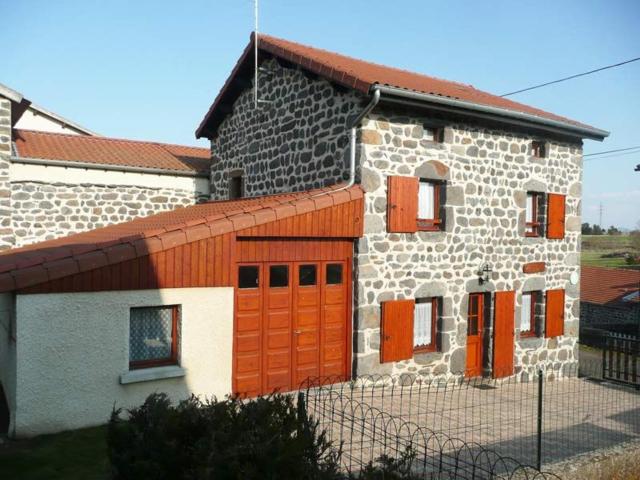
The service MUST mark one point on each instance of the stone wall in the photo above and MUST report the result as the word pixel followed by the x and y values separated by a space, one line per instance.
pixel 6 235
pixel 42 211
pixel 487 174
pixel 297 141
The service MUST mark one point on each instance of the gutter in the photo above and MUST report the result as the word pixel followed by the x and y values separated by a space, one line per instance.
pixel 446 104
pixel 103 166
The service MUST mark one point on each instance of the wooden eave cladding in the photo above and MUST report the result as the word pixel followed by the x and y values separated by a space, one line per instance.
pixel 320 227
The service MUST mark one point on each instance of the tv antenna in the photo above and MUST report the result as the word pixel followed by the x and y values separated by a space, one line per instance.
pixel 255 54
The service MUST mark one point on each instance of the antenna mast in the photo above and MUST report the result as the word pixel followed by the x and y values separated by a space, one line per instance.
pixel 255 54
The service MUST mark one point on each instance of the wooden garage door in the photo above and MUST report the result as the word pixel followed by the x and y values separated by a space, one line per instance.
pixel 291 324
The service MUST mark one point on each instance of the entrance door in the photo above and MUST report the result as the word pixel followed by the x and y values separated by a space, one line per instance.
pixel 475 323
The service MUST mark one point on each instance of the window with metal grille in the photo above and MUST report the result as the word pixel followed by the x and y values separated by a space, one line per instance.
pixel 425 316
pixel 153 336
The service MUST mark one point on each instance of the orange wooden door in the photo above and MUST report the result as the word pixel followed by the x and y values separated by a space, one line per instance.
pixel 475 323
pixel 333 336
pixel 276 347
pixel 247 378
pixel 306 322
pixel 504 334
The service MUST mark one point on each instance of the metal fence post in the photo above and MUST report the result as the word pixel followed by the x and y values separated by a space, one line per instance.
pixel 539 439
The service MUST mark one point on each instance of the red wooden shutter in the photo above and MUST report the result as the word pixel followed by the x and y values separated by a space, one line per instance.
pixel 555 215
pixel 402 204
pixel 503 334
pixel 554 321
pixel 397 330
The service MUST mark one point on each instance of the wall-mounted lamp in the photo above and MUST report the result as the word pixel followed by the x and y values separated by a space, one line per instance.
pixel 485 273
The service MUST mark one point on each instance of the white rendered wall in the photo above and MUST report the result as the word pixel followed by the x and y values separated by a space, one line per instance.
pixel 31 120
pixel 7 351
pixel 73 348
pixel 21 172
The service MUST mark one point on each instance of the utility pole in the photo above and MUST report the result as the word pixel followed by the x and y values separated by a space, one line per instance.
pixel 600 222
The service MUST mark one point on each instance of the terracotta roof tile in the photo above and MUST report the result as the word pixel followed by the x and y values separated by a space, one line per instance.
pixel 607 286
pixel 361 76
pixel 111 151
pixel 85 251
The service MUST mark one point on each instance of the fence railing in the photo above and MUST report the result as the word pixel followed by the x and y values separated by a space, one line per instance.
pixel 620 359
pixel 534 419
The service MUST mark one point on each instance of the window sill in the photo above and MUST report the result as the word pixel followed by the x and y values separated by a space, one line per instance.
pixel 148 374
pixel 530 342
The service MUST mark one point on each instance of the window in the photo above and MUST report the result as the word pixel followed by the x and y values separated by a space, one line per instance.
pixel 529 314
pixel 334 274
pixel 236 184
pixel 248 276
pixel 425 317
pixel 428 205
pixel 532 219
pixel 475 313
pixel 433 134
pixel 307 275
pixel 538 149
pixel 153 336
pixel 278 276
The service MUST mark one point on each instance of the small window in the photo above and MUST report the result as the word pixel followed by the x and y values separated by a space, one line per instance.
pixel 307 275
pixel 428 205
pixel 236 185
pixel 433 134
pixel 278 276
pixel 153 336
pixel 248 276
pixel 334 274
pixel 532 215
pixel 529 314
pixel 538 149
pixel 425 325
pixel 475 313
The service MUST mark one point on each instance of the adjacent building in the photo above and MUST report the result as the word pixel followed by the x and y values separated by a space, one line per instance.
pixel 364 220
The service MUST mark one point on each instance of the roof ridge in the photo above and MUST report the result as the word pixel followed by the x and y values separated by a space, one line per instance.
pixel 381 65
pixel 105 138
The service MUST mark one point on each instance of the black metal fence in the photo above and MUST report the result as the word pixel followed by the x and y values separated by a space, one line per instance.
pixel 476 428
pixel 620 359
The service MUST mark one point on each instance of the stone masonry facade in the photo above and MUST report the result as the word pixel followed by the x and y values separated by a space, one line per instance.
pixel 6 237
pixel 487 173
pixel 43 211
pixel 296 141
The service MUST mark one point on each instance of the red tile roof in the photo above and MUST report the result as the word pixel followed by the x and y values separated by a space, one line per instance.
pixel 361 76
pixel 607 286
pixel 111 151
pixel 40 262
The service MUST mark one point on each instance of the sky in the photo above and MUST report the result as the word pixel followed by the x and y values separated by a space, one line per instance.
pixel 150 69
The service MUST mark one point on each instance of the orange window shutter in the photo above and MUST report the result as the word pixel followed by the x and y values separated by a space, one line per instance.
pixel 555 215
pixel 503 334
pixel 402 204
pixel 554 321
pixel 397 330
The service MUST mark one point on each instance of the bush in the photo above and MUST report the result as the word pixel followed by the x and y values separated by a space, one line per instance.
pixel 262 438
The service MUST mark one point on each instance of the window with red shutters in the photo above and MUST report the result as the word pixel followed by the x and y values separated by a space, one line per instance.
pixel 555 215
pixel 554 317
pixel 402 204
pixel 397 330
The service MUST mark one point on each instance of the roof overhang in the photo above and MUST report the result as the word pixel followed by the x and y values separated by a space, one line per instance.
pixel 19 104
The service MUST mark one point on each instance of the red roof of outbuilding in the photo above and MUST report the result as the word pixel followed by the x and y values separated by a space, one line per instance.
pixel 111 151
pixel 608 286
pixel 361 75
pixel 44 261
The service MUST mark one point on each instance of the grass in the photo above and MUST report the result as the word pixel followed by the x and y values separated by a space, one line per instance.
pixel 594 247
pixel 77 454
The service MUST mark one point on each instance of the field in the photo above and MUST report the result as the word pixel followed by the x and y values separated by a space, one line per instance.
pixel 595 247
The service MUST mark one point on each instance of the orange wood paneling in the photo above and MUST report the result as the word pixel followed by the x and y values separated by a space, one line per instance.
pixel 554 318
pixel 402 204
pixel 475 327
pixel 285 250
pixel 555 215
pixel 503 334
pixel 397 330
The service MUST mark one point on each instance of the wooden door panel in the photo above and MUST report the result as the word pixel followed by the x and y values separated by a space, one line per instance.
pixel 248 343
pixel 397 330
pixel 503 334
pixel 475 326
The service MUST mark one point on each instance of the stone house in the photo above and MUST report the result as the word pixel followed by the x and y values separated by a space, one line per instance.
pixel 610 299
pixel 363 220
pixel 59 178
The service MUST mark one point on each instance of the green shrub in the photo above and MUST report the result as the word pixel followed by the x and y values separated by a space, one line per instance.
pixel 263 438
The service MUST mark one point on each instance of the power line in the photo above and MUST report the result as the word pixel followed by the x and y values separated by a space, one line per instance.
pixel 571 77
pixel 615 155
pixel 611 151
